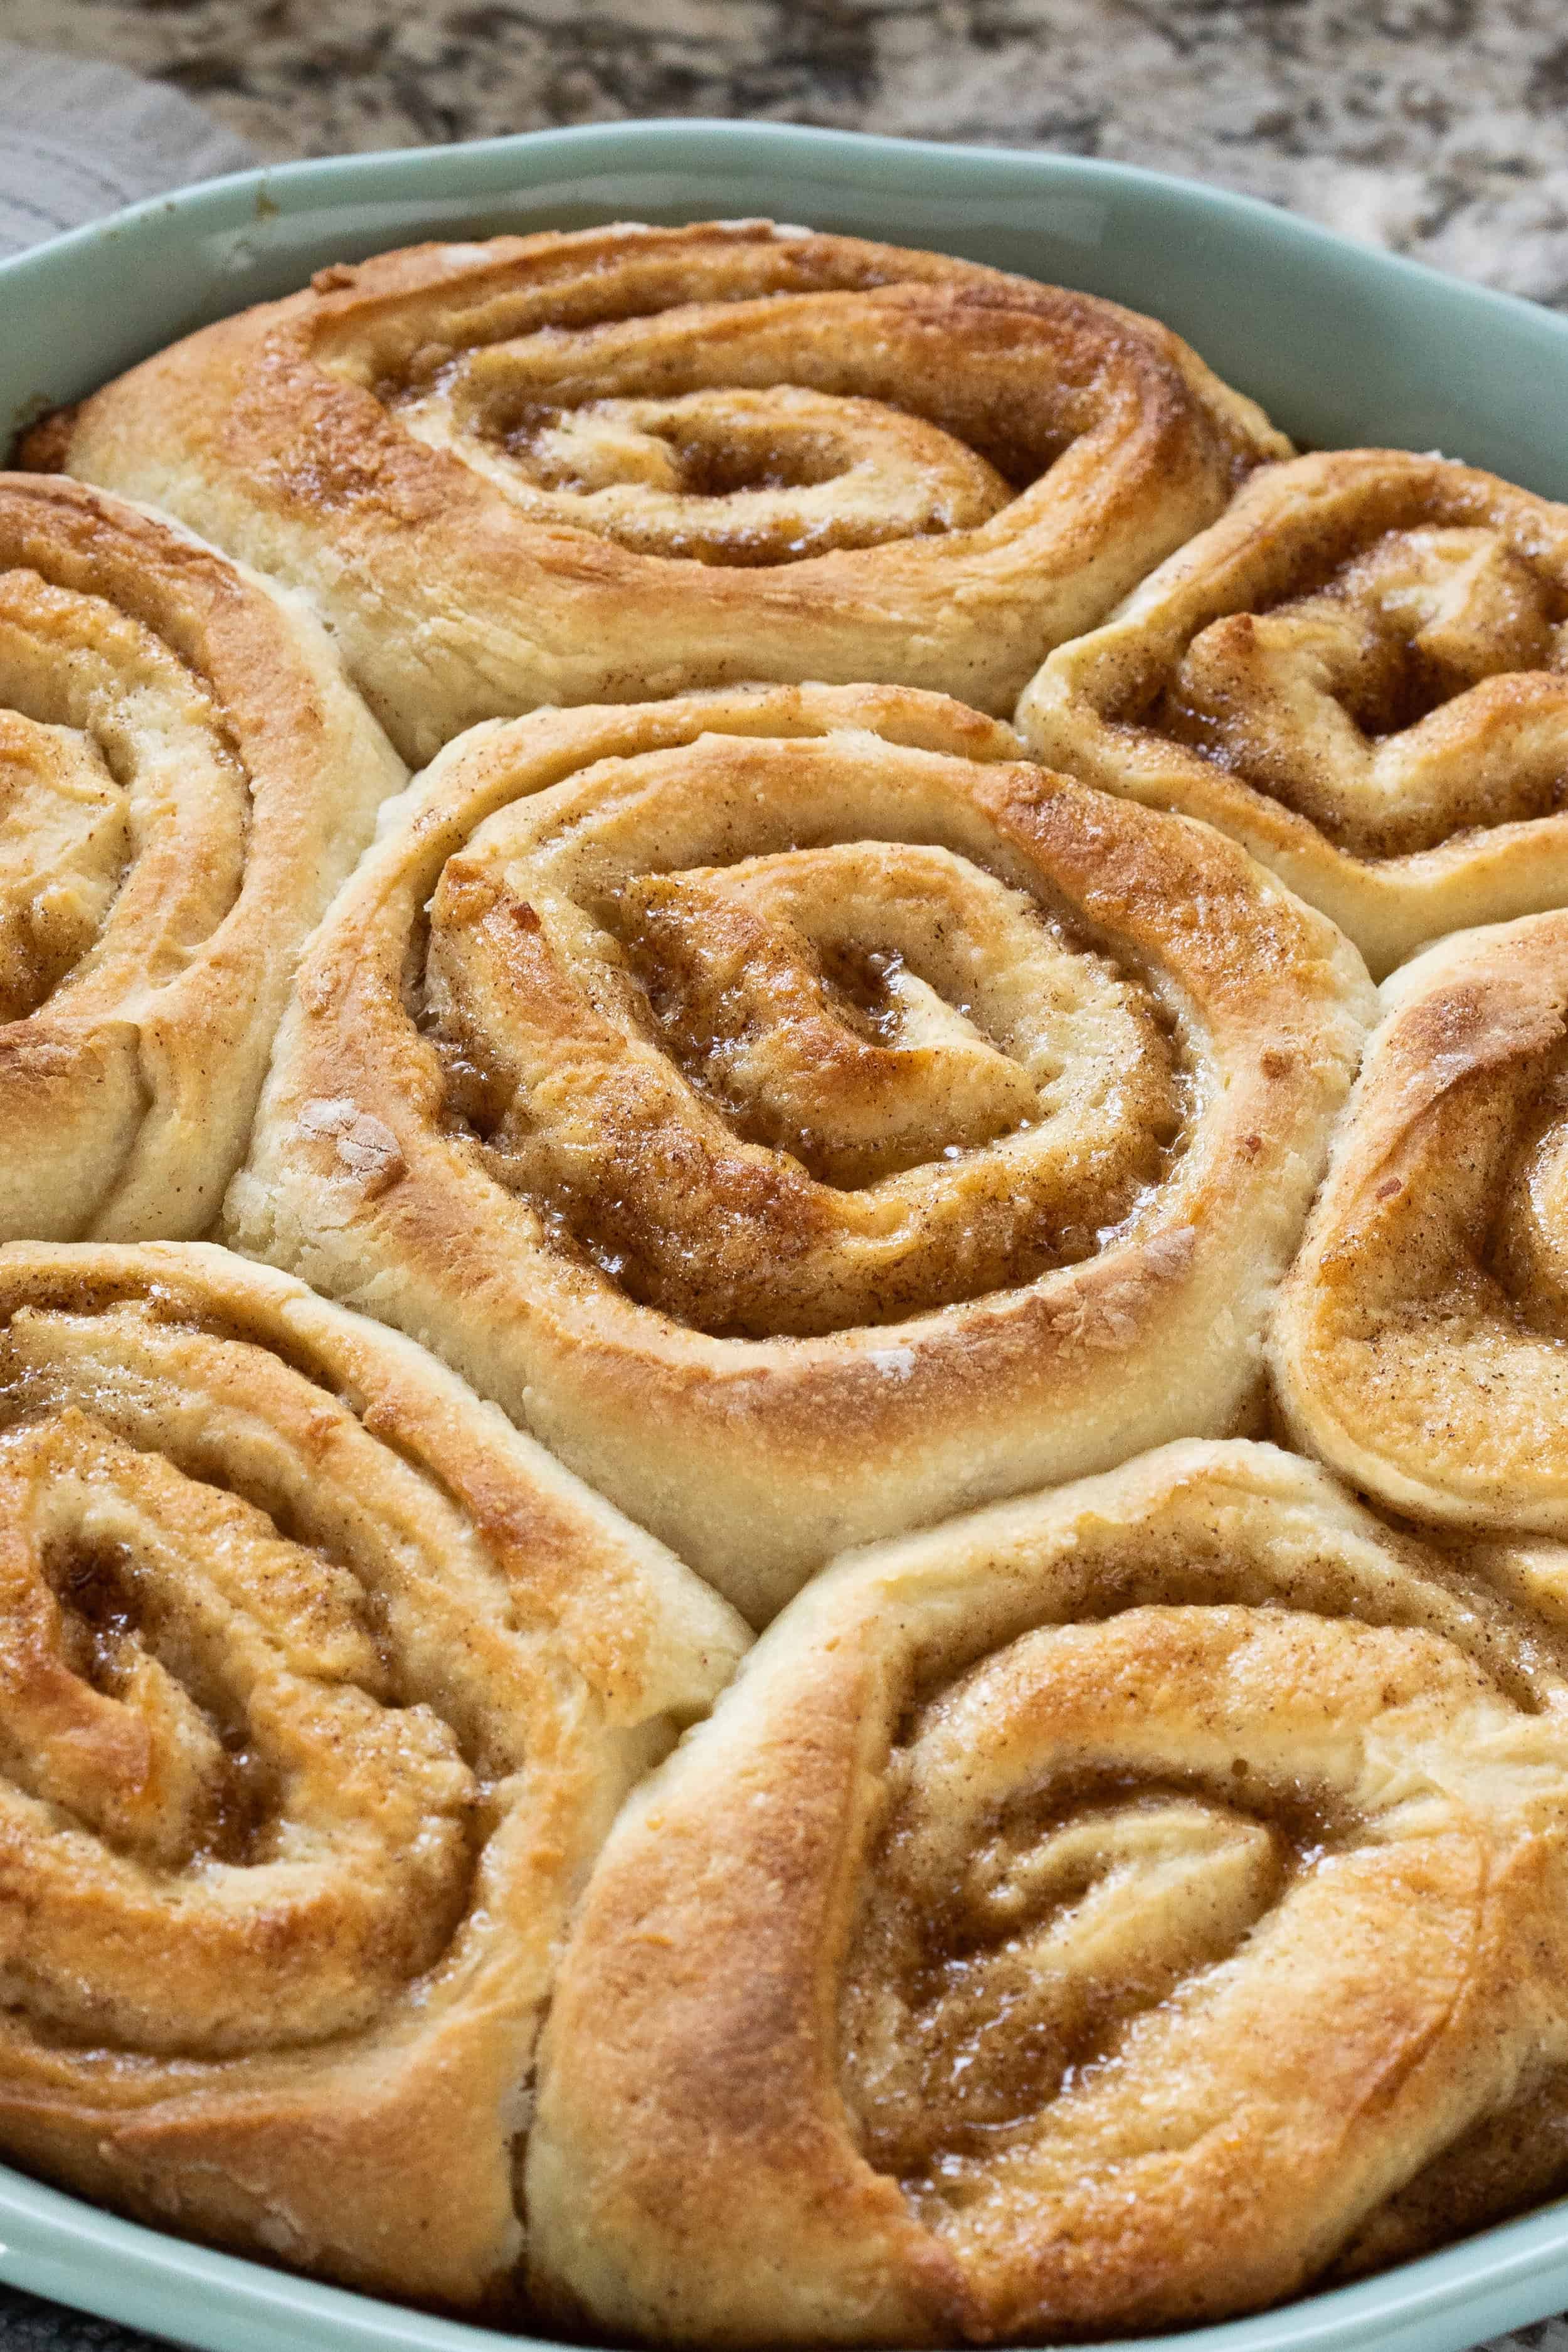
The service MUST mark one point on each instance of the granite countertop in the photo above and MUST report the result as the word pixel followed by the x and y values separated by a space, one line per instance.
pixel 1436 127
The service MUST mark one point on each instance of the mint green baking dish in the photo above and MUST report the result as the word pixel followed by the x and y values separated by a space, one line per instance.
pixel 1341 345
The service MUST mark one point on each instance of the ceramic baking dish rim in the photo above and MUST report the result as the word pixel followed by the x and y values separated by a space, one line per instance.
pixel 225 232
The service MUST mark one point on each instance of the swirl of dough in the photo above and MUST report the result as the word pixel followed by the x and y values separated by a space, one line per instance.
pixel 1361 672
pixel 185 777
pixel 1082 1918
pixel 803 1113
pixel 622 462
pixel 1418 1346
pixel 322 1686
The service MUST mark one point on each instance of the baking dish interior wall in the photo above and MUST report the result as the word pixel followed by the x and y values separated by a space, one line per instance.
pixel 1339 344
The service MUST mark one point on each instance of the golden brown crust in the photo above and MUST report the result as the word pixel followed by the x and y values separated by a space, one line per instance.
pixel 803 1114
pixel 1359 672
pixel 1419 1345
pixel 1502 2167
pixel 185 776
pixel 322 1686
pixel 622 462
pixel 1080 1918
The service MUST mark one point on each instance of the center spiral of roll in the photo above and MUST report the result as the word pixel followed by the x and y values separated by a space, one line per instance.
pixel 1383 702
pixel 752 399
pixel 1080 1833
pixel 723 475
pixel 835 1081
pixel 211 1746
pixel 64 842
pixel 216 1783
pixel 107 740
pixel 1361 673
pixel 1078 1919
pixel 800 1075
pixel 616 464
pixel 320 1687
pixel 185 776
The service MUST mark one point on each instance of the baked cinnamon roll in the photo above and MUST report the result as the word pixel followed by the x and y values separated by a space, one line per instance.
pixel 1084 1918
pixel 1419 1342
pixel 322 1686
pixel 622 462
pixel 804 1114
pixel 1361 672
pixel 185 776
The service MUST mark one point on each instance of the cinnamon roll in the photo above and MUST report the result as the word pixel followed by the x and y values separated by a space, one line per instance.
pixel 1361 672
pixel 621 462
pixel 322 1686
pixel 804 1114
pixel 1084 1918
pixel 1419 1342
pixel 185 776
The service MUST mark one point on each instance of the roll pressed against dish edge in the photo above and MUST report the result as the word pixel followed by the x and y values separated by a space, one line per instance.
pixel 1102 1914
pixel 185 777
pixel 323 1686
pixel 1418 1343
pixel 613 464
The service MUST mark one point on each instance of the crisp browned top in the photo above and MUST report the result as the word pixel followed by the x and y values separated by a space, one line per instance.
pixel 731 392
pixel 320 1688
pixel 629 460
pixel 1360 671
pixel 1077 1920
pixel 1420 1344
pixel 183 774
pixel 802 1074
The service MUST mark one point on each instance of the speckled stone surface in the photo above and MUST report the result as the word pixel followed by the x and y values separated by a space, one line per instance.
pixel 1436 127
